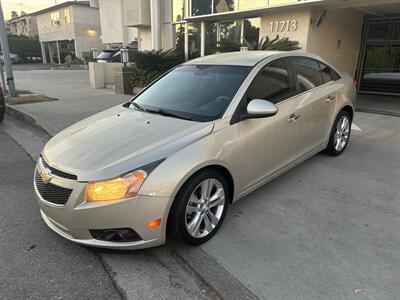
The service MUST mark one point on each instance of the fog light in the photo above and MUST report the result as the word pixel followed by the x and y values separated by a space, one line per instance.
pixel 115 235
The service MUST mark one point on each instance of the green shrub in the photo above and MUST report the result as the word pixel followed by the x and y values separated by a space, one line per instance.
pixel 149 65
pixel 69 60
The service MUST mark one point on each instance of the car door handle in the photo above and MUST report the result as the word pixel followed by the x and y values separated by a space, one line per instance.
pixel 293 118
pixel 330 98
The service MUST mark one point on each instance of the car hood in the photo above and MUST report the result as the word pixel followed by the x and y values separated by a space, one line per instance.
pixel 119 140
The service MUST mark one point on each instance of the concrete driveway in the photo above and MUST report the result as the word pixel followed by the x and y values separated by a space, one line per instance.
pixel 328 229
pixel 76 100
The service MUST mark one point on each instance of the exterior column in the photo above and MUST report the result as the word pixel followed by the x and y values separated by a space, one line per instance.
pixel 218 35
pixel 58 52
pixel 186 42
pixel 43 48
pixel 203 39
pixel 51 52
pixel 155 8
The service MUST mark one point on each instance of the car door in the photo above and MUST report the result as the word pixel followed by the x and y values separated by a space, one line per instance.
pixel 317 100
pixel 269 143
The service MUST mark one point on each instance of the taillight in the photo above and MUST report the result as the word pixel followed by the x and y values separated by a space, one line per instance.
pixel 355 82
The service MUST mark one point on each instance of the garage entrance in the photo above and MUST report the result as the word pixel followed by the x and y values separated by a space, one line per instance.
pixel 380 59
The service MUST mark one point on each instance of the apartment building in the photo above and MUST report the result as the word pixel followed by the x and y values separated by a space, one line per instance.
pixel 70 28
pixel 25 25
pixel 362 37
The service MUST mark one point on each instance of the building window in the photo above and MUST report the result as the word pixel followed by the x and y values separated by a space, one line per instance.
pixel 194 39
pixel 251 30
pixel 211 38
pixel 221 6
pixel 252 4
pixel 230 36
pixel 67 16
pixel 180 38
pixel 281 2
pixel 201 7
pixel 55 18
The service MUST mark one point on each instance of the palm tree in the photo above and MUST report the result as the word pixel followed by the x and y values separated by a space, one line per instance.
pixel 281 44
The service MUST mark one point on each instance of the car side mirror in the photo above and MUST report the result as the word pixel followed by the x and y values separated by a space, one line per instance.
pixel 261 109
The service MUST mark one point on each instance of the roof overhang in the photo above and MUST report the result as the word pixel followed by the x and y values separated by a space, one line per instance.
pixel 385 8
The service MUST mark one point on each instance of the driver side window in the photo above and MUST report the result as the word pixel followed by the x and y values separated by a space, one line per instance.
pixel 272 83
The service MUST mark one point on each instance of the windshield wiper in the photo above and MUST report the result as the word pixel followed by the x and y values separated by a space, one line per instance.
pixel 138 106
pixel 163 112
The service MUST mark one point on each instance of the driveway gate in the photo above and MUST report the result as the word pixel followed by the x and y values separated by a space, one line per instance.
pixel 380 60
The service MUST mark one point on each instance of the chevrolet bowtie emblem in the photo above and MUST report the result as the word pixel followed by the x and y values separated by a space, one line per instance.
pixel 45 175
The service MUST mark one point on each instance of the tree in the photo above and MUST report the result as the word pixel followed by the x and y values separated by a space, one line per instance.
pixel 278 44
pixel 22 13
pixel 14 14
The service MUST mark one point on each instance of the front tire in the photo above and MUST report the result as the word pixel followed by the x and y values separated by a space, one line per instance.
pixel 200 207
pixel 340 134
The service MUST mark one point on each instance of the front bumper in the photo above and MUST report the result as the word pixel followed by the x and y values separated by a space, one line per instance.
pixel 74 219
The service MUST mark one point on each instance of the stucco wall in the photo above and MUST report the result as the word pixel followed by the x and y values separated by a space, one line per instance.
pixel 49 32
pixel 338 39
pixel 302 18
pixel 144 35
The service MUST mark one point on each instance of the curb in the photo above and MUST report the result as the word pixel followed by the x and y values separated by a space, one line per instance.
pixel 377 111
pixel 25 118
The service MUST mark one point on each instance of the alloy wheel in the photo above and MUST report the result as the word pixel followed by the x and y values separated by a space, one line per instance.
pixel 204 208
pixel 342 133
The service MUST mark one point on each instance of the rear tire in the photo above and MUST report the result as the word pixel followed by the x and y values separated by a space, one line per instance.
pixel 199 208
pixel 340 134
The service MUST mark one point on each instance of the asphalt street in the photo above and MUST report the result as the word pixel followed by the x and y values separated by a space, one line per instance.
pixel 34 262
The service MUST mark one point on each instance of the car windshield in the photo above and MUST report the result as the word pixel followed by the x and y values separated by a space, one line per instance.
pixel 106 54
pixel 196 92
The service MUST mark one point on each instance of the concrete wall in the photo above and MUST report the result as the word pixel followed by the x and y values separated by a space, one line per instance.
pixel 168 38
pixel 112 19
pixel 338 39
pixel 101 74
pixel 144 42
pixel 300 34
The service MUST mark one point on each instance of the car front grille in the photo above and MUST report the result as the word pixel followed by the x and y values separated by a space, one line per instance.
pixel 57 172
pixel 50 192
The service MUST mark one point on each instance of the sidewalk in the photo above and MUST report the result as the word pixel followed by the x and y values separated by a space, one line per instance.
pixel 76 100
pixel 327 229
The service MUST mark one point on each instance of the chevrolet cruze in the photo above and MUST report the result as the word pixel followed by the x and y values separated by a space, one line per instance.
pixel 199 138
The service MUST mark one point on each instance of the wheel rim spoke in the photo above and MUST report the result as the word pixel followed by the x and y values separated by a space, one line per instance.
pixel 207 224
pixel 206 189
pixel 213 219
pixel 194 226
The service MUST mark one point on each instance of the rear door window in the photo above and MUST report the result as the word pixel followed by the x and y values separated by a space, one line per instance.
pixel 326 72
pixel 307 72
pixel 273 83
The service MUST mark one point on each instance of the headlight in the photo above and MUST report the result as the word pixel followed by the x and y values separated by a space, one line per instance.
pixel 119 188
pixel 115 189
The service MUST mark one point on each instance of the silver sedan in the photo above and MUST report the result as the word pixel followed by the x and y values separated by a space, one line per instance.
pixel 196 140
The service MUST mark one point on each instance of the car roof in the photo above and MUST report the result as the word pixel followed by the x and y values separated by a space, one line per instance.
pixel 245 58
